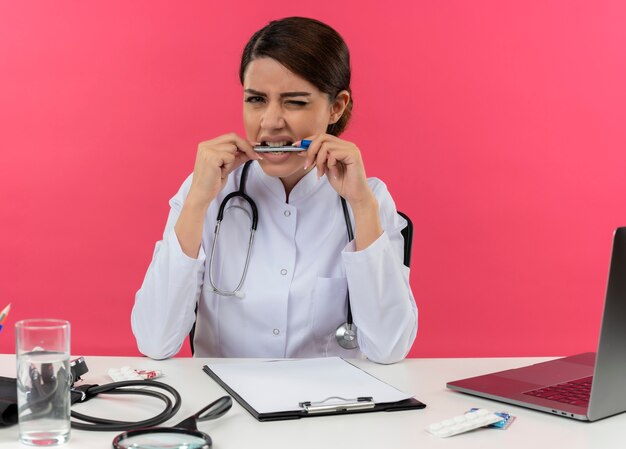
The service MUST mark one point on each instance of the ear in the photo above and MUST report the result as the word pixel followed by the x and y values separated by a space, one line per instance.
pixel 339 106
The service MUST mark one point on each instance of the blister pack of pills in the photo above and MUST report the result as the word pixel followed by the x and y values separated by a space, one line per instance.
pixel 127 373
pixel 463 423
pixel 507 420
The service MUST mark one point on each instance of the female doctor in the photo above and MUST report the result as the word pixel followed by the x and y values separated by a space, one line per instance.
pixel 301 267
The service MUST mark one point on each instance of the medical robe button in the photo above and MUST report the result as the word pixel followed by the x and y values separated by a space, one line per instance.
pixel 283 272
pixel 276 331
pixel 287 213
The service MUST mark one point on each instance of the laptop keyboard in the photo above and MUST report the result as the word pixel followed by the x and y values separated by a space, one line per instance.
pixel 575 392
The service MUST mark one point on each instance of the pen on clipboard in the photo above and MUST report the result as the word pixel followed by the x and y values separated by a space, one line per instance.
pixel 304 145
pixel 4 314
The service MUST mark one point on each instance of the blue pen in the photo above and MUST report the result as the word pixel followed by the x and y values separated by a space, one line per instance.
pixel 304 145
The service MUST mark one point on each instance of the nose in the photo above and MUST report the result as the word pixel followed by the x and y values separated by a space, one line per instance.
pixel 272 117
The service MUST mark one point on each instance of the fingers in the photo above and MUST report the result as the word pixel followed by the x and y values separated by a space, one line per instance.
pixel 215 160
pixel 334 167
pixel 238 143
pixel 215 151
pixel 330 154
pixel 227 163
pixel 246 147
pixel 311 153
pixel 320 160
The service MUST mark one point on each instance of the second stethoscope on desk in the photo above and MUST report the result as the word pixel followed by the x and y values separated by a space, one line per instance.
pixel 346 333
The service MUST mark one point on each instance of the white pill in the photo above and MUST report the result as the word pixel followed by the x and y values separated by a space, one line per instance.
pixel 484 420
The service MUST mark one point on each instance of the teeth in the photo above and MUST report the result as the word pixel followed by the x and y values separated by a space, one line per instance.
pixel 283 143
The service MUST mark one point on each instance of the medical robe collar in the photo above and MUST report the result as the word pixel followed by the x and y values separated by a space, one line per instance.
pixel 305 187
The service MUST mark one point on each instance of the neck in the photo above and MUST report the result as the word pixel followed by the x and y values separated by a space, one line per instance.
pixel 290 182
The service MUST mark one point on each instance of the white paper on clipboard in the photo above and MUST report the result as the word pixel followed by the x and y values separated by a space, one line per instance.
pixel 281 385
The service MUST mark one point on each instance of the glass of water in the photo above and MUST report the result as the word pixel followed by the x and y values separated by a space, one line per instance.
pixel 43 381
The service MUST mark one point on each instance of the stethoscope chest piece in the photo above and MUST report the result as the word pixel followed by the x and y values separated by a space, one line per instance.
pixel 346 336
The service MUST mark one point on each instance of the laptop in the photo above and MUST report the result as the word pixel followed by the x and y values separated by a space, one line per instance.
pixel 587 386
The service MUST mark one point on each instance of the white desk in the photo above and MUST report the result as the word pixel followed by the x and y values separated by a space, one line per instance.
pixel 424 377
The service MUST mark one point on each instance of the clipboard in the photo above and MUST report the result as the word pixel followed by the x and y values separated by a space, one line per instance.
pixel 268 389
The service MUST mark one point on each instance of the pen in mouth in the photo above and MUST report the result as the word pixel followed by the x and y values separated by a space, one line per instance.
pixel 304 145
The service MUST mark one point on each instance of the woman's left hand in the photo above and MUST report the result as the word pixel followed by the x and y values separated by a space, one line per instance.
pixel 342 164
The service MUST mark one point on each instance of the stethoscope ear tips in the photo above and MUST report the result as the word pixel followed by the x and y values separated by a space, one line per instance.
pixel 239 294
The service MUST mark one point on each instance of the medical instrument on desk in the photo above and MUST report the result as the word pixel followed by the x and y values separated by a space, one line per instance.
pixel 4 314
pixel 464 423
pixel 304 145
pixel 127 373
pixel 507 419
pixel 86 392
pixel 184 435
pixel 346 333
pixel 47 385
pixel 78 367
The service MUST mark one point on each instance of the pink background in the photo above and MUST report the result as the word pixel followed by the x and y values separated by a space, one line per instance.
pixel 500 127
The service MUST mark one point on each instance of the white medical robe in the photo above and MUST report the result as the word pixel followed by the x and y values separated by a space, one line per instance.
pixel 295 290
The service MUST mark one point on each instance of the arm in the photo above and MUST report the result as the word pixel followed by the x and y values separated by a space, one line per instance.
pixel 215 160
pixel 383 306
pixel 163 313
pixel 164 306
pixel 382 303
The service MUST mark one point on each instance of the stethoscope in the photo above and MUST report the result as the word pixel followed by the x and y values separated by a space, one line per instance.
pixel 346 333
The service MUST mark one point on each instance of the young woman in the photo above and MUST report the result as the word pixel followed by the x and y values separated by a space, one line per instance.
pixel 285 292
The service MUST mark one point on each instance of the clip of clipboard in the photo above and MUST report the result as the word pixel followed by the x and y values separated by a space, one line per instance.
pixel 247 382
pixel 336 404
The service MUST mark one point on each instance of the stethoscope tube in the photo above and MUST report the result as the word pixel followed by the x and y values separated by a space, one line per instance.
pixel 171 407
pixel 346 333
pixel 220 216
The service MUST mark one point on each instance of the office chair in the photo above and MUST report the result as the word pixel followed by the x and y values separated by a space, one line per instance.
pixel 407 234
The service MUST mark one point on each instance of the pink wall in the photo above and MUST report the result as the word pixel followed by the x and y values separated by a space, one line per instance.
pixel 498 126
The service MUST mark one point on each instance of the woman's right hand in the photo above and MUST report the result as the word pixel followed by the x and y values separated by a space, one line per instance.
pixel 215 160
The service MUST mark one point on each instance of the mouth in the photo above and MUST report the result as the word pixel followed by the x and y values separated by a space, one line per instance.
pixel 277 144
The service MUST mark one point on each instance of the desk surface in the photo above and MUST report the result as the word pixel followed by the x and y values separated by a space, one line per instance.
pixel 425 378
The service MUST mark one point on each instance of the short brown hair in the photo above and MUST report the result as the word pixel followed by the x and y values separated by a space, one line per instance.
pixel 310 49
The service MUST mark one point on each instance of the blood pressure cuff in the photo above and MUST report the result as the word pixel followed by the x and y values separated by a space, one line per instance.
pixel 8 401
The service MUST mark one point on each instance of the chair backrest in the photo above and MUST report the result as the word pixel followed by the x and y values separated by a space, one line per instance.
pixel 407 233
